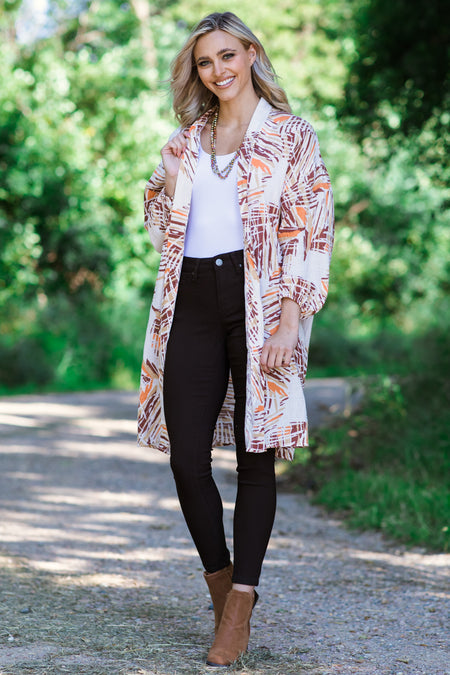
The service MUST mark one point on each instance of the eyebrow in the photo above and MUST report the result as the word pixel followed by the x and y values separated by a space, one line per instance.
pixel 221 51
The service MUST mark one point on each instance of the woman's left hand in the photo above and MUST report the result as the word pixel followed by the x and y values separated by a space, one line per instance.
pixel 278 349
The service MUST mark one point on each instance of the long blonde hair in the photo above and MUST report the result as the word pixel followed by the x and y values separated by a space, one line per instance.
pixel 190 96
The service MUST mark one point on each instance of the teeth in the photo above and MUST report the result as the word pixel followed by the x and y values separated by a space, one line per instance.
pixel 224 82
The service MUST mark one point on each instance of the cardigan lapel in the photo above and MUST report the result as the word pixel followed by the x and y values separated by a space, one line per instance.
pixel 259 116
pixel 257 121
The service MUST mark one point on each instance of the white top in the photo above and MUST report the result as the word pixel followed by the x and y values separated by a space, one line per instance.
pixel 214 225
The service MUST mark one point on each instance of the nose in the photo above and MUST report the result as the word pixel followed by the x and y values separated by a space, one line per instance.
pixel 219 68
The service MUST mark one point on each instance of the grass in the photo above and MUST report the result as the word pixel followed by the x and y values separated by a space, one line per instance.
pixel 401 508
pixel 387 468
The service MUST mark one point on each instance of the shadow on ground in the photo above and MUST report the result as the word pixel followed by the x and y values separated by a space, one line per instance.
pixel 98 574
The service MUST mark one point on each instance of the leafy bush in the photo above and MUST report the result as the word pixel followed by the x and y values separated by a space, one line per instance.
pixel 387 466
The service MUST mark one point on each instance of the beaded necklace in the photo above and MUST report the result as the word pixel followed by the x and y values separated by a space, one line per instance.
pixel 214 166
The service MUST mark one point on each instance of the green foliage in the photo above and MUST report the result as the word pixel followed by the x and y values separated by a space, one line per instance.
pixel 387 467
pixel 84 112
pixel 79 132
pixel 403 509
pixel 399 78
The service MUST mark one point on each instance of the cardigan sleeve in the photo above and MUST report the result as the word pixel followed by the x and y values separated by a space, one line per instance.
pixel 306 228
pixel 157 207
pixel 157 204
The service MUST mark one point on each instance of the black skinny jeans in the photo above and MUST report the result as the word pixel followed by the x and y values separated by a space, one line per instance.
pixel 206 341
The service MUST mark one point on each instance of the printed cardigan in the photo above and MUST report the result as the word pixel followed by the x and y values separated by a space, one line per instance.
pixel 286 206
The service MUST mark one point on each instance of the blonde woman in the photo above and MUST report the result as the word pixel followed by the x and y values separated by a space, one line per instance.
pixel 241 210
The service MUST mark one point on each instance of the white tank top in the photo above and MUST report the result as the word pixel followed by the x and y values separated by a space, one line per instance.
pixel 214 225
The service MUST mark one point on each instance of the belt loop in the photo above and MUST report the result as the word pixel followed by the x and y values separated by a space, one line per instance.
pixel 195 270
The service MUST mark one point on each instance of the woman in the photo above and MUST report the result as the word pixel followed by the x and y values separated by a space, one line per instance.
pixel 241 210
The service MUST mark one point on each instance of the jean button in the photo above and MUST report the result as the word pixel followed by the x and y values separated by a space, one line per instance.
pixel 219 262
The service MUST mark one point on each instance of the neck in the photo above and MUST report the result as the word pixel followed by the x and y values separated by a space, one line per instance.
pixel 239 111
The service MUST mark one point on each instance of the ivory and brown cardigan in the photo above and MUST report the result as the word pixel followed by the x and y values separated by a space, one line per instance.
pixel 286 206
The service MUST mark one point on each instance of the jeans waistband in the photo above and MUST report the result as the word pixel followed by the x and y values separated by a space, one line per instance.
pixel 195 265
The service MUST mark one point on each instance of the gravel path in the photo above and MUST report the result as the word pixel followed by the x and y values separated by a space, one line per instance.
pixel 98 574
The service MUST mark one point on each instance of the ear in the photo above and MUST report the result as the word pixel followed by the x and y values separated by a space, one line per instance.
pixel 251 52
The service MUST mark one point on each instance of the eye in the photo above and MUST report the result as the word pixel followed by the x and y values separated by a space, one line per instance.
pixel 202 64
pixel 228 55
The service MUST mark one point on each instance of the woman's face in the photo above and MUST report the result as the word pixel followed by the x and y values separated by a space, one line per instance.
pixel 224 64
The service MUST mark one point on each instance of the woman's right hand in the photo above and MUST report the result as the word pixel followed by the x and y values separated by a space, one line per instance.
pixel 171 157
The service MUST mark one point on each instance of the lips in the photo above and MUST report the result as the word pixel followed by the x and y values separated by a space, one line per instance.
pixel 224 83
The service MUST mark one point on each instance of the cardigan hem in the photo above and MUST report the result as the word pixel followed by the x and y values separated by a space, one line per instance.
pixel 286 453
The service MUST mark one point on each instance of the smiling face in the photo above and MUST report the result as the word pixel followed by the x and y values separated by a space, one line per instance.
pixel 224 64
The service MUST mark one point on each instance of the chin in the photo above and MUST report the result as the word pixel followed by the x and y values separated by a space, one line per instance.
pixel 226 95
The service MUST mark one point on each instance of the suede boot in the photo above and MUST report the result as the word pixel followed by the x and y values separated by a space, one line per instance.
pixel 219 584
pixel 234 631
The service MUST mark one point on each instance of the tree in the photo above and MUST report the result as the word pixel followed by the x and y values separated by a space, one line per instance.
pixel 399 78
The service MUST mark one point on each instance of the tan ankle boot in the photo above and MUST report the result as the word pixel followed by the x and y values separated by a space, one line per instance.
pixel 219 584
pixel 234 630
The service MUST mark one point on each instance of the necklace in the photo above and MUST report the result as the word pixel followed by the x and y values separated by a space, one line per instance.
pixel 214 166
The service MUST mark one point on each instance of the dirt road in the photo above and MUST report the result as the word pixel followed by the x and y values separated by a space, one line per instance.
pixel 98 574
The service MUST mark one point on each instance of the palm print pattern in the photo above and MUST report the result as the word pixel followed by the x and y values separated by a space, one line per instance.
pixel 286 206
